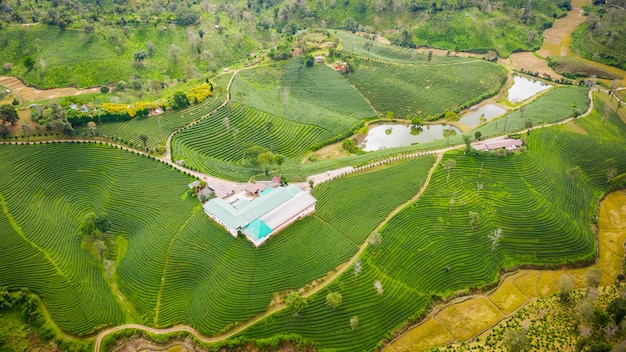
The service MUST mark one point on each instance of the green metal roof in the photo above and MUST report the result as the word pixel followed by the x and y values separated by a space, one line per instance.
pixel 257 229
pixel 239 215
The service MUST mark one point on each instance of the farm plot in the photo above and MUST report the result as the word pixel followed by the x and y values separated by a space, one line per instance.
pixel 238 280
pixel 179 267
pixel 285 108
pixel 430 250
pixel 157 128
pixel 426 90
pixel 210 139
pixel 558 104
pixel 544 214
pixel 384 52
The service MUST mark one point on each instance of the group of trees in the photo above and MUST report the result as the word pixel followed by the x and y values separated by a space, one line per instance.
pixel 95 227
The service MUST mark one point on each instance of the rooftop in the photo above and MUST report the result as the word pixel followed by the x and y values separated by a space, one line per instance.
pixel 242 212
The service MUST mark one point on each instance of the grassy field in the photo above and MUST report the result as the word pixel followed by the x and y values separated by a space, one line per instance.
pixel 428 252
pixel 162 247
pixel 572 68
pixel 73 57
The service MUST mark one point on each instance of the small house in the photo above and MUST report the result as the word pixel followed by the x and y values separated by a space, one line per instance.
pixel 508 144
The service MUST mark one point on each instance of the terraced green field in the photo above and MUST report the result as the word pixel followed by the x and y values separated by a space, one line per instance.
pixel 426 90
pixel 176 266
pixel 429 251
pixel 383 52
pixel 303 105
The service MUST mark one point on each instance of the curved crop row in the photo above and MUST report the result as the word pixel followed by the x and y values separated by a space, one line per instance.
pixel 430 250
pixel 422 90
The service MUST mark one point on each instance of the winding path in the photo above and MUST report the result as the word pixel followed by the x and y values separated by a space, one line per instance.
pixel 322 177
pixel 342 269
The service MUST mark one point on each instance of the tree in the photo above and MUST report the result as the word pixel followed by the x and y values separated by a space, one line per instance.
pixel 447 133
pixel 358 267
pixel 374 240
pixel 279 159
pixel 565 285
pixel 354 322
pixel 430 55
pixel 521 111
pixel 26 129
pixel 477 135
pixel 100 247
pixel 574 172
pixel 174 52
pixel 140 56
pixel 379 287
pixel 451 115
pixel 144 140
pixel 87 228
pixel 474 220
pixel 309 60
pixel 9 114
pixel 92 127
pixel 266 160
pixel 495 237
pixel 269 126
pixel 468 144
pixel 479 187
pixel 186 16
pixel 593 276
pixel 515 340
pixel 179 100
pixel 295 302
pixel 226 123
pixel 102 222
pixel 4 131
pixel 334 299
pixel 448 165
pixel 15 102
pixel 29 62
pixel 5 299
pixel 104 89
pixel 617 309
pixel 611 174
pixel 528 124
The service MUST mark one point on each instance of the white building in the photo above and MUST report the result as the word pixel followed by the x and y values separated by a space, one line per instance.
pixel 259 218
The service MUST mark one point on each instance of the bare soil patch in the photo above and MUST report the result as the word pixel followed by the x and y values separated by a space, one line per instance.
pixel 529 62
pixel 557 35
pixel 33 94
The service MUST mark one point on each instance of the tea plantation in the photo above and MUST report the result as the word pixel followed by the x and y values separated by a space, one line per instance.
pixel 173 264
pixel 429 249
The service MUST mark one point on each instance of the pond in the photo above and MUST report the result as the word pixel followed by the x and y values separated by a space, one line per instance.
pixel 524 88
pixel 488 112
pixel 398 135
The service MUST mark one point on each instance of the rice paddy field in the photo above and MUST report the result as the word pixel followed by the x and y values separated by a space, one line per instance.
pixel 173 265
pixel 429 250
